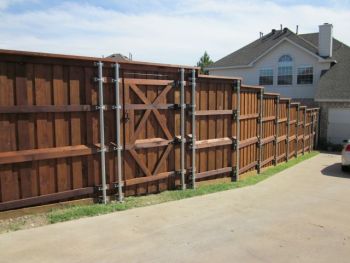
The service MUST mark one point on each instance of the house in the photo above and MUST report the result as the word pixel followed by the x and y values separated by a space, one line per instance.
pixel 119 57
pixel 313 69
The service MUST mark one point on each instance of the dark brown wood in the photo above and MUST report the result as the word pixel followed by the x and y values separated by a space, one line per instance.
pixel 270 118
pixel 44 199
pixel 46 153
pixel 213 143
pixel 147 179
pixel 46 108
pixel 248 167
pixel 213 112
pixel 213 172
pixel 248 142
pixel 148 143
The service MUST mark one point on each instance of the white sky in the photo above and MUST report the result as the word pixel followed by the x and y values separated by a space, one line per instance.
pixel 158 31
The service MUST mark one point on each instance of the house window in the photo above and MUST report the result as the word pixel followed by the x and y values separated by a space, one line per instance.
pixel 266 77
pixel 285 70
pixel 305 75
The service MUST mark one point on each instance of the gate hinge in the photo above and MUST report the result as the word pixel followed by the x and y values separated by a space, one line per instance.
pixel 116 185
pixel 99 188
pixel 259 142
pixel 97 79
pixel 177 84
pixel 98 107
pixel 234 143
pixel 174 107
pixel 235 114
pixel 236 85
pixel 115 147
pixel 258 165
pixel 191 108
pixel 234 172
pixel 259 118
pixel 177 140
pixel 116 107
pixel 103 149
pixel 191 141
pixel 275 140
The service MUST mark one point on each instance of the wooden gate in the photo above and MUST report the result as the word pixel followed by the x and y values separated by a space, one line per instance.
pixel 149 116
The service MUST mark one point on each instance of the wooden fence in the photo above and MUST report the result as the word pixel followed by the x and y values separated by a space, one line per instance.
pixel 52 144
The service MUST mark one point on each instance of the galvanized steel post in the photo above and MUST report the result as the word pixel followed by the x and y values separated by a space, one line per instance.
pixel 118 143
pixel 102 133
pixel 261 114
pixel 288 131
pixel 182 128
pixel 304 130
pixel 297 132
pixel 311 135
pixel 238 127
pixel 193 105
pixel 276 129
pixel 317 128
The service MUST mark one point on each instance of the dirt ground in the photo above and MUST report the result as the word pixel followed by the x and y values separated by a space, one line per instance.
pixel 299 215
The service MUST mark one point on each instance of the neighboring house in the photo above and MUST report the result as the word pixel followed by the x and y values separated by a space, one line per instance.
pixel 118 57
pixel 311 68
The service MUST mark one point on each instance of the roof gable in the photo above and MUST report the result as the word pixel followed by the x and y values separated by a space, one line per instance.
pixel 247 55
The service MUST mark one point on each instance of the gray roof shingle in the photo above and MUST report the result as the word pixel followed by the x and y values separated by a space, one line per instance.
pixel 334 84
pixel 252 51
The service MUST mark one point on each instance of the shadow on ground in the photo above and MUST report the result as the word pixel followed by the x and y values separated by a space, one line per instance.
pixel 335 170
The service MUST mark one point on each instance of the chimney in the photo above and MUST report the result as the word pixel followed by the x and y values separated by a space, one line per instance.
pixel 325 40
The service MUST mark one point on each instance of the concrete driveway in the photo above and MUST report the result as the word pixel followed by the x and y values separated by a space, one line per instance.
pixel 299 215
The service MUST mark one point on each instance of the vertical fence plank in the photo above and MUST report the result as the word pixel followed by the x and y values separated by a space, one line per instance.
pixel 44 125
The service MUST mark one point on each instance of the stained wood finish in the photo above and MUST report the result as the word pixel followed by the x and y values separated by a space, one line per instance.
pixel 49 128
pixel 150 139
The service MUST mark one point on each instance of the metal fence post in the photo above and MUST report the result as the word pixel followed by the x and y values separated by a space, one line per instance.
pixel 317 127
pixel 193 105
pixel 117 108
pixel 311 136
pixel 182 128
pixel 238 113
pixel 276 131
pixel 261 95
pixel 297 131
pixel 304 130
pixel 102 133
pixel 288 131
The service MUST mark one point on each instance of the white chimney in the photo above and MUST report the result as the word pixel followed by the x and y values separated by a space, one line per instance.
pixel 325 40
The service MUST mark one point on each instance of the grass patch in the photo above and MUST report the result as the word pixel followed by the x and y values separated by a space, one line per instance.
pixel 75 212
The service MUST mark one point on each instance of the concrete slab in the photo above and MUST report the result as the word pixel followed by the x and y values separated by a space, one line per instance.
pixel 299 215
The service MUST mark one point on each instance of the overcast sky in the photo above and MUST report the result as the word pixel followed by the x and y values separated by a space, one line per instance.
pixel 176 32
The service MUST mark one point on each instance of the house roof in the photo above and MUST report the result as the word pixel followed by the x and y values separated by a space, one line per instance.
pixel 249 53
pixel 118 57
pixel 334 84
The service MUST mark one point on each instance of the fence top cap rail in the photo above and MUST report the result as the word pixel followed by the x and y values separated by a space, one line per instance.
pixel 87 58
pixel 295 103
pixel 285 99
pixel 313 109
pixel 271 94
pixel 218 77
pixel 252 87
pixel 303 106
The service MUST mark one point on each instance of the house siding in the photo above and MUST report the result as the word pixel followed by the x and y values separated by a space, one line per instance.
pixel 300 57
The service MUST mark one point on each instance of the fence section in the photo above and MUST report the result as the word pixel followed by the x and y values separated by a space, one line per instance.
pixel 59 138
